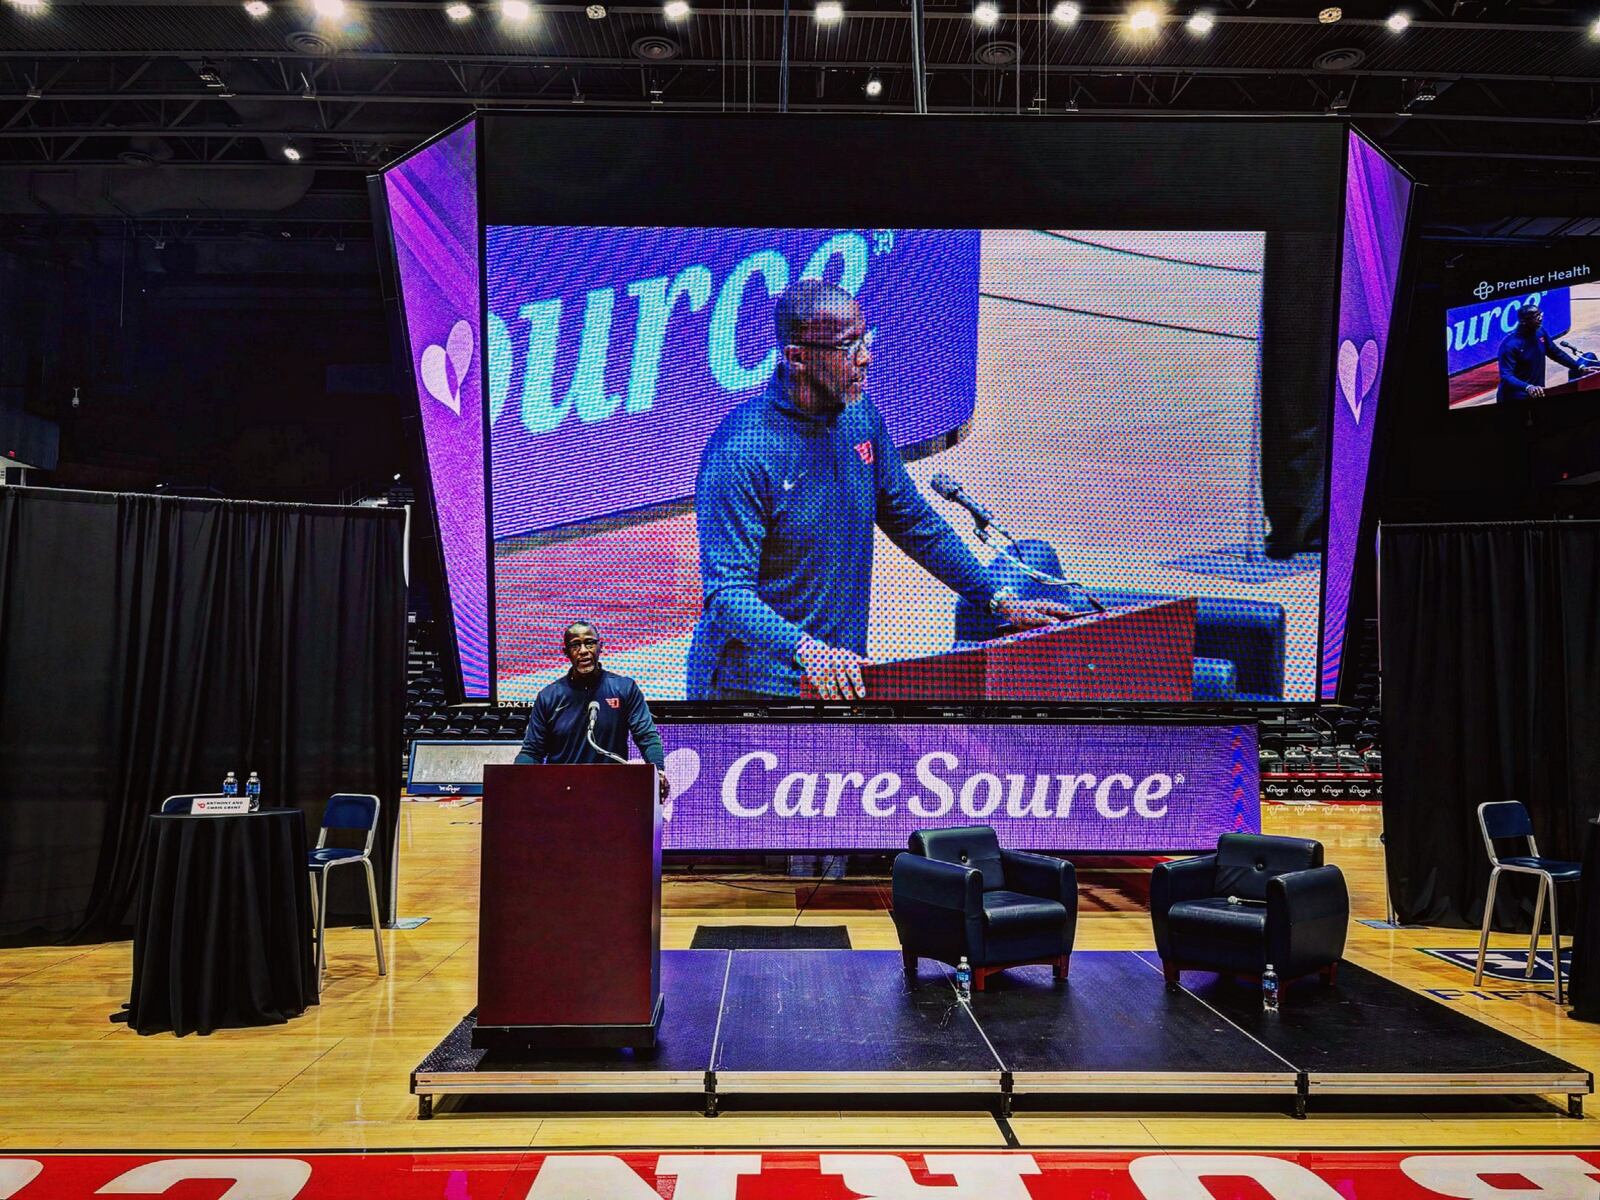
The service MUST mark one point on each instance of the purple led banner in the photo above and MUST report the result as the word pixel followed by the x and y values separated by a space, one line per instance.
pixel 614 353
pixel 433 212
pixel 1120 788
pixel 1376 196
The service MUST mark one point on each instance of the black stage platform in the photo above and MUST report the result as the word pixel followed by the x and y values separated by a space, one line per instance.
pixel 802 1023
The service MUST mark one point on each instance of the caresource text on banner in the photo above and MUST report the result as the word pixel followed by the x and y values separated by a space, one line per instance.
pixel 841 1175
pixel 1115 788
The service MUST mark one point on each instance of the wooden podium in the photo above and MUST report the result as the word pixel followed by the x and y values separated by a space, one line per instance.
pixel 569 915
pixel 1136 652
pixel 1583 383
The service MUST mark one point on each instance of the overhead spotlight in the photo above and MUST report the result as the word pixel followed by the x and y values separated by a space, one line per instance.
pixel 1425 92
pixel 1200 23
pixel 1338 104
pixel 35 92
pixel 1143 18
pixel 595 12
pixel 331 9
pixel 292 153
pixel 986 14
pixel 458 12
pixel 161 243
pixel 1065 13
pixel 1594 30
pixel 1331 15
pixel 829 11
pixel 32 7
pixel 675 10
pixel 516 10
pixel 1399 22
pixel 874 87
pixel 339 246
pixel 257 8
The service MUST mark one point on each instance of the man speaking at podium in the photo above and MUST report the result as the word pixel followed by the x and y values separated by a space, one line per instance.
pixel 587 704
pixel 1522 356
pixel 790 487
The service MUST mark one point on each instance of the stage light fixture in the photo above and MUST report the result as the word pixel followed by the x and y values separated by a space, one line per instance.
pixel 1200 23
pixel 1331 15
pixel 874 87
pixel 1143 18
pixel 829 12
pixel 32 7
pixel 333 10
pixel 595 12
pixel 1399 22
pixel 257 8
pixel 516 10
pixel 458 12
pixel 986 14
pixel 675 10
pixel 1066 13
pixel 292 153
pixel 1594 30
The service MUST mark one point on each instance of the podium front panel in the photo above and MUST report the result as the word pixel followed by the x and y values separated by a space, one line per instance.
pixel 569 916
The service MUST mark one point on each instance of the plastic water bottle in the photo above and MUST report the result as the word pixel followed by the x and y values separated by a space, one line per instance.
pixel 252 789
pixel 1269 990
pixel 964 979
pixel 230 785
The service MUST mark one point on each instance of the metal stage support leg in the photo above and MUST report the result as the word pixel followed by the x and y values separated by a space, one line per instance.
pixel 711 1094
pixel 1302 1089
pixel 424 1107
pixel 1575 1105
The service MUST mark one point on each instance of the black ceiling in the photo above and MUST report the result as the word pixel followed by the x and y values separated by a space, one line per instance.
pixel 178 114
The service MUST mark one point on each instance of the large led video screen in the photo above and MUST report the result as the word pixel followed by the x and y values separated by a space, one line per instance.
pixel 728 445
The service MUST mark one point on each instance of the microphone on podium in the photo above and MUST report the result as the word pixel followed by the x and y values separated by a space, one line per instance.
pixel 952 491
pixel 594 715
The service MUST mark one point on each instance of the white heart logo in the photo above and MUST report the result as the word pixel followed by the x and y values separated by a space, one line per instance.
pixel 1358 372
pixel 682 768
pixel 444 367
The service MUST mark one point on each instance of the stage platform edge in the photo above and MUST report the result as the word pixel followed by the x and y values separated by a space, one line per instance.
pixel 998 1048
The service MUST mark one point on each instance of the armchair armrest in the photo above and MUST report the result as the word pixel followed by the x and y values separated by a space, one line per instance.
pixel 1040 875
pixel 1308 917
pixel 1171 882
pixel 941 884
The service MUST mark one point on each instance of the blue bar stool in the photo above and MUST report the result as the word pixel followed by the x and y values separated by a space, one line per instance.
pixel 346 811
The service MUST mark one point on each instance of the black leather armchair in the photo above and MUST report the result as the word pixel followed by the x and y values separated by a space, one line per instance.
pixel 957 893
pixel 1257 900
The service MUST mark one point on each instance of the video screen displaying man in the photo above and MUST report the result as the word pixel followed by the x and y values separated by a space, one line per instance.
pixel 789 489
pixel 1498 350
pixel 725 445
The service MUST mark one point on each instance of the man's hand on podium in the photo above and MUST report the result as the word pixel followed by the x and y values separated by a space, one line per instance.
pixel 664 783
pixel 1030 614
pixel 834 671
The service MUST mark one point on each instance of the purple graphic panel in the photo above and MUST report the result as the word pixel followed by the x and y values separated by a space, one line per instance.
pixel 1376 196
pixel 1121 788
pixel 433 212
pixel 614 353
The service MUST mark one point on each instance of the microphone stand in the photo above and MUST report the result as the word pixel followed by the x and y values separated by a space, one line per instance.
pixel 1003 549
pixel 594 714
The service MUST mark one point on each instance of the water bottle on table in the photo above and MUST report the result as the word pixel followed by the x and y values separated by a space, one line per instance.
pixel 1269 990
pixel 252 789
pixel 964 979
pixel 230 785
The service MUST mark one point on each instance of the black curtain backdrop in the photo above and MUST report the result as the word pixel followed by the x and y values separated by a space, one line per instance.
pixel 150 645
pixel 1490 637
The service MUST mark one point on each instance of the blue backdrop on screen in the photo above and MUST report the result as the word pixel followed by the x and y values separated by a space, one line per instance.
pixel 614 353
pixel 1473 333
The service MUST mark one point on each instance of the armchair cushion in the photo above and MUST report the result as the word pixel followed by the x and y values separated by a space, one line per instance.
pixel 1245 861
pixel 966 845
pixel 1233 935
pixel 1007 912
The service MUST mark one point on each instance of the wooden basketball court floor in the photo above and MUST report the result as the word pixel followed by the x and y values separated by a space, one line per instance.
pixel 336 1078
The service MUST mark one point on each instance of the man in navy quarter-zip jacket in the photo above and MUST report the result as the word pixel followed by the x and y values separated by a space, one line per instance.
pixel 558 727
pixel 790 487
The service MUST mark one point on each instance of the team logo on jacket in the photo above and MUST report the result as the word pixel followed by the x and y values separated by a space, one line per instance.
pixel 864 449
pixel 614 701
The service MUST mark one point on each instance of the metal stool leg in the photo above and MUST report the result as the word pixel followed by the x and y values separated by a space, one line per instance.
pixel 1488 917
pixel 1538 915
pixel 322 929
pixel 372 903
pixel 1555 943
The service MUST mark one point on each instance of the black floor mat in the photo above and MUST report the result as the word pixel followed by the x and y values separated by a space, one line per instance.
pixel 770 937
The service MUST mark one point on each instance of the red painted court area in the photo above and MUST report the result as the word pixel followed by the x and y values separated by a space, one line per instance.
pixel 845 1175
